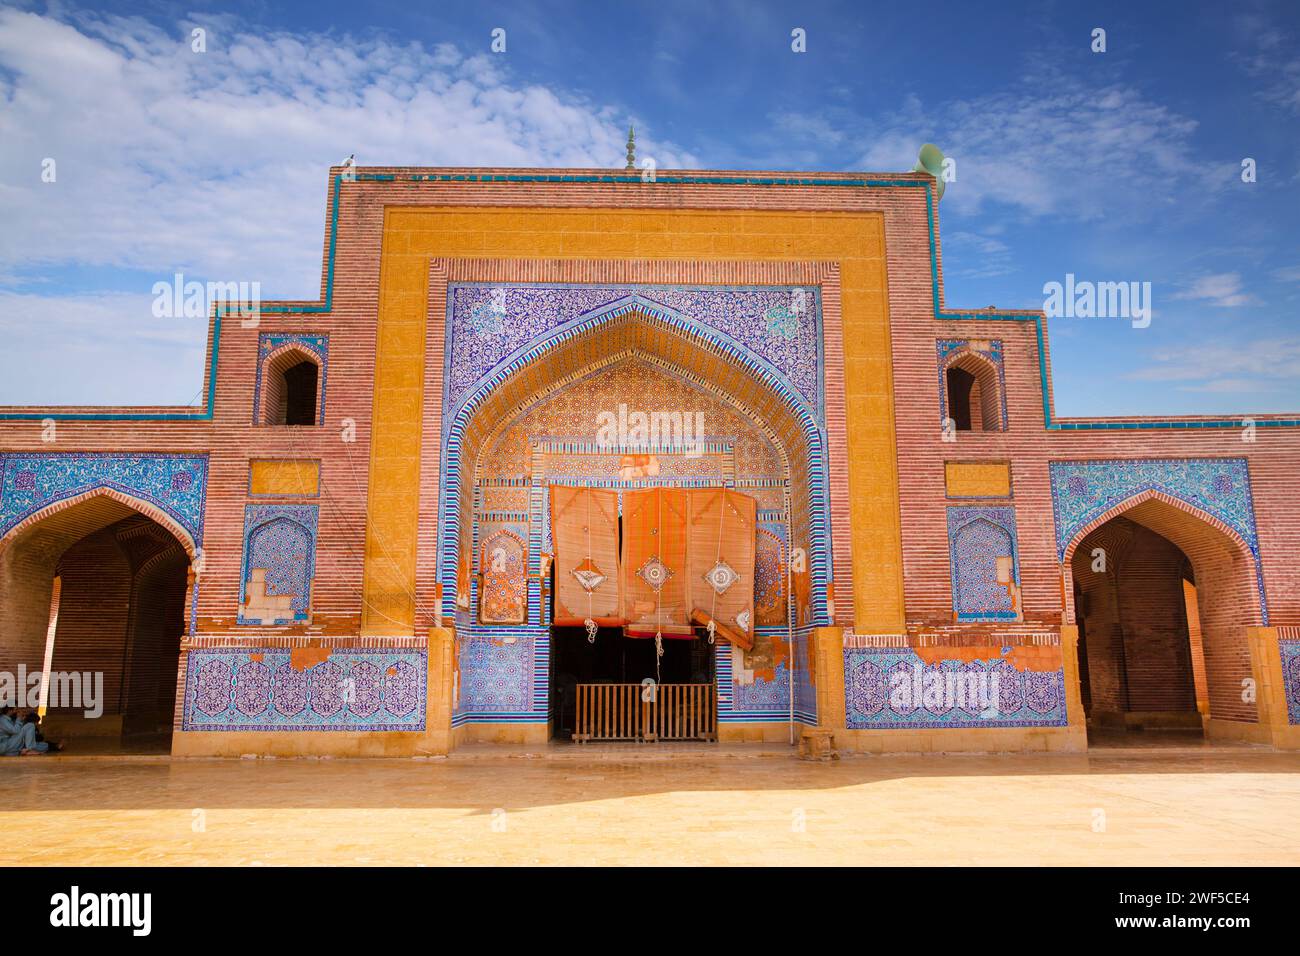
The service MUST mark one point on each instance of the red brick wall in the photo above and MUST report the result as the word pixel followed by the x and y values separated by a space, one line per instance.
pixel 92 630
pixel 1135 625
pixel 232 440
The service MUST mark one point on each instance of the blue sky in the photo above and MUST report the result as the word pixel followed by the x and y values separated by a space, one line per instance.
pixel 1115 166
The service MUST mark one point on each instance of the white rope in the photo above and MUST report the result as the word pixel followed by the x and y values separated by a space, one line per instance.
pixel 659 592
pixel 713 606
pixel 590 622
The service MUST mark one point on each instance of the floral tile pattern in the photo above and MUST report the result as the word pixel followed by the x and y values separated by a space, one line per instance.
pixel 978 539
pixel 176 484
pixel 260 689
pixel 490 322
pixel 894 689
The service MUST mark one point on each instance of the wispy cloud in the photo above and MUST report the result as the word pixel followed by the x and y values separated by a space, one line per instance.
pixel 1223 290
pixel 1272 60
pixel 982 256
pixel 1056 145
pixel 1260 365
pixel 214 163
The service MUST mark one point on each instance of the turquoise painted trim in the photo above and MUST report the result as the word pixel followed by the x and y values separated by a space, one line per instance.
pixel 635 178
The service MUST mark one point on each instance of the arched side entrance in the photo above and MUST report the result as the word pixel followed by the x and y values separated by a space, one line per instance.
pixel 123 571
pixel 1163 592
pixel 633 333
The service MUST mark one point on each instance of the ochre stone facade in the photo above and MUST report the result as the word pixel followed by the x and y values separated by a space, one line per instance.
pixel 939 563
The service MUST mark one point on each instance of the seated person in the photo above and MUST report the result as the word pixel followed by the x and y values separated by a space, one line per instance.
pixel 19 737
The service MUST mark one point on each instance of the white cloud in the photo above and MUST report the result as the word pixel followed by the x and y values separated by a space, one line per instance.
pixel 1258 365
pixel 1222 290
pixel 98 349
pixel 214 164
pixel 1055 145
pixel 1272 63
pixel 984 256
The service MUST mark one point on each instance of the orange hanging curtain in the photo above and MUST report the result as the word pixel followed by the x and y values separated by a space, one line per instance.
pixel 722 542
pixel 656 574
pixel 584 531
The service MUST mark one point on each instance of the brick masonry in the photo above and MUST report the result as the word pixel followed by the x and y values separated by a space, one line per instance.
pixel 892 560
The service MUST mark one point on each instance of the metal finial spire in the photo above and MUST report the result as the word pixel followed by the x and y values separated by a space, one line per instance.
pixel 631 148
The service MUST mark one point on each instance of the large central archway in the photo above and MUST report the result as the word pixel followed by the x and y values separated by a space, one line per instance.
pixel 634 342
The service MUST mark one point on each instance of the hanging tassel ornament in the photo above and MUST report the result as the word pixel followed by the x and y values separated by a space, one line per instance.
pixel 659 645
pixel 591 627
pixel 712 629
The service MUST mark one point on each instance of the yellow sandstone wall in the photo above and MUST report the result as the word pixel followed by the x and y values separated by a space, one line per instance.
pixel 414 235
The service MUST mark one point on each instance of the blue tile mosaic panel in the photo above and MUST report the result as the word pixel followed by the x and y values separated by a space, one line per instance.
pixel 1291 678
pixel 894 689
pixel 260 689
pixel 978 538
pixel 279 564
pixel 490 323
pixel 175 484
pixel 1084 490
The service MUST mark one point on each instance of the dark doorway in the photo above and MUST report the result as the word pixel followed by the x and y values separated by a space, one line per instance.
pixel 616 659
pixel 300 393
pixel 960 385
pixel 1140 652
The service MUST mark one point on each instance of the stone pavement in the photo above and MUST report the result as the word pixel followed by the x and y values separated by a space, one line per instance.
pixel 651 805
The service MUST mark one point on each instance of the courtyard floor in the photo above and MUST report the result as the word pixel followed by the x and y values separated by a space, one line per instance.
pixel 648 805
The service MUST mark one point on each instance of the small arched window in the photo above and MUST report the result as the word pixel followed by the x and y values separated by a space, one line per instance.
pixel 300 383
pixel 291 389
pixel 973 390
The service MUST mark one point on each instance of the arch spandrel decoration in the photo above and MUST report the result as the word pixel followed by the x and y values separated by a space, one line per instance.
pixel 493 325
pixel 174 484
pixel 1217 489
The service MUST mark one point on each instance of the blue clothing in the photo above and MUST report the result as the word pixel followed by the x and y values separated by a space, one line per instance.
pixel 16 737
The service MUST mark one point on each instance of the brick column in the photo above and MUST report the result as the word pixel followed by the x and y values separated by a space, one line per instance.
pixel 828 645
pixel 1078 721
pixel 1270 689
pixel 442 645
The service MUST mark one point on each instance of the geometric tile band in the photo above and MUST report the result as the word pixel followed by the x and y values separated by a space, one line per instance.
pixel 175 484
pixel 1083 490
pixel 262 689
pixel 894 689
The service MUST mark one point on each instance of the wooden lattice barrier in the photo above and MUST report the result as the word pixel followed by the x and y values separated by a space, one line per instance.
pixel 622 712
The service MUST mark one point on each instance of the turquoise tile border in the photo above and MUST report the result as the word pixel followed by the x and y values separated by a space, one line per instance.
pixel 205 414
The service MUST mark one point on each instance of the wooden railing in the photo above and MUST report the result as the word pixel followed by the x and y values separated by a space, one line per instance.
pixel 623 712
